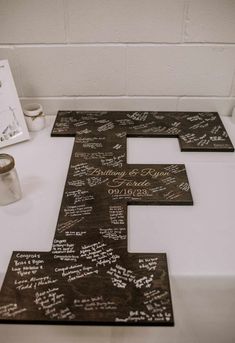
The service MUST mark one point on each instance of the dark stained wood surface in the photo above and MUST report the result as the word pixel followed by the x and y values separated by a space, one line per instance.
pixel 89 277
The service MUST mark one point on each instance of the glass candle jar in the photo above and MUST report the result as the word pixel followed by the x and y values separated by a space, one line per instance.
pixel 34 117
pixel 10 190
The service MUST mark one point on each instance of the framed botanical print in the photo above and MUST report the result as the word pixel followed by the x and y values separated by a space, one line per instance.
pixel 13 128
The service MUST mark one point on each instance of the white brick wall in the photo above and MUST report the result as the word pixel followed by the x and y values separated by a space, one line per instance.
pixel 125 54
pixel 125 21
pixel 32 21
pixel 210 21
pixel 180 70
pixel 71 71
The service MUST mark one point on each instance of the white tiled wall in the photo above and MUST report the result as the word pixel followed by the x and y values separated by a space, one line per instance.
pixel 125 54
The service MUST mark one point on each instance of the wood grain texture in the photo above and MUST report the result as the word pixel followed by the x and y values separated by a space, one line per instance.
pixel 89 277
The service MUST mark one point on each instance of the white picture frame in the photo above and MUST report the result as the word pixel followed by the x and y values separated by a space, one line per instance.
pixel 13 128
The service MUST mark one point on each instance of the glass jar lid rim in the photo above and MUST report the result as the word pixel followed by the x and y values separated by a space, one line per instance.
pixel 10 165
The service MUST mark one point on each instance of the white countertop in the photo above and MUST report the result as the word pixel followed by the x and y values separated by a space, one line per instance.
pixel 199 240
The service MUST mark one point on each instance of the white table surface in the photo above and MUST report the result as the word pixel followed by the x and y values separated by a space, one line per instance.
pixel 199 240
